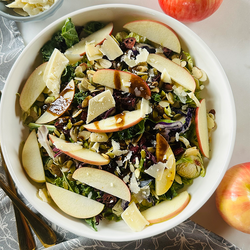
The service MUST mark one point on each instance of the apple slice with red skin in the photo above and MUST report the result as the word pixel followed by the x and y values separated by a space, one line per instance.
pixel 116 123
pixel 33 87
pixel 156 32
pixel 164 153
pixel 80 154
pixel 201 128
pixel 104 181
pixel 74 204
pixel 60 105
pixel 123 81
pixel 176 72
pixel 32 160
pixel 97 38
pixel 232 197
pixel 167 209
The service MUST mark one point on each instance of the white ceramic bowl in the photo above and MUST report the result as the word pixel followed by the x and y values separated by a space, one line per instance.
pixel 11 14
pixel 218 94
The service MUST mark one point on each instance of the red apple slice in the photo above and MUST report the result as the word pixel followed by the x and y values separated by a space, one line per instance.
pixel 104 181
pixel 33 87
pixel 176 72
pixel 133 218
pixel 116 123
pixel 164 154
pixel 32 160
pixel 74 204
pixel 124 81
pixel 79 153
pixel 97 38
pixel 167 209
pixel 60 105
pixel 156 32
pixel 201 128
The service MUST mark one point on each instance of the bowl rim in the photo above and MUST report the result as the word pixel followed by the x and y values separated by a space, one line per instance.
pixel 35 17
pixel 181 217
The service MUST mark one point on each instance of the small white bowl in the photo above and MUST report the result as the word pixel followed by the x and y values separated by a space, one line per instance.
pixel 218 95
pixel 11 14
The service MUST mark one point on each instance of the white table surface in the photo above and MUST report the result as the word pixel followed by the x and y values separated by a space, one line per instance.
pixel 227 33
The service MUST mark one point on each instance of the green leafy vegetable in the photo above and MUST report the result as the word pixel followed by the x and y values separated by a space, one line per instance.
pixel 62 39
pixel 156 97
pixel 92 27
pixel 92 223
pixel 68 74
pixel 79 97
pixel 131 132
pixel 69 33
pixel 57 41
pixel 189 60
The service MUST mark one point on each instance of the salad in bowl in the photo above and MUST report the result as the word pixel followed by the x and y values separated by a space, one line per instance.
pixel 118 129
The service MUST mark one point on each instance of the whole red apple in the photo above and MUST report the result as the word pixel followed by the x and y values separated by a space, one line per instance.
pixel 233 197
pixel 189 10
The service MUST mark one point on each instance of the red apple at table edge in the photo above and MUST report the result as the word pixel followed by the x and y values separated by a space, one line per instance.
pixel 189 10
pixel 232 197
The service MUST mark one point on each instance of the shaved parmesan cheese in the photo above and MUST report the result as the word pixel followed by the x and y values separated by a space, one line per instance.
pixel 134 185
pixel 141 57
pixel 53 71
pixel 30 7
pixel 145 107
pixel 116 148
pixel 156 170
pixel 99 104
pixel 93 52
pixel 165 77
pixel 126 178
pixel 181 93
pixel 110 48
pixel 133 218
pixel 142 194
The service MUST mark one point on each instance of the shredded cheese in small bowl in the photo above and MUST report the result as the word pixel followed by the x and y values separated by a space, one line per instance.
pixel 28 10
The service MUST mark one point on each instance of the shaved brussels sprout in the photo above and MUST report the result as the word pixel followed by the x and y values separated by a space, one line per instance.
pixel 190 164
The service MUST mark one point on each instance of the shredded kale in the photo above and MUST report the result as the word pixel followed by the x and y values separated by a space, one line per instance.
pixel 68 74
pixel 79 97
pixel 57 41
pixel 92 27
pixel 156 97
pixel 69 33
pixel 131 132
